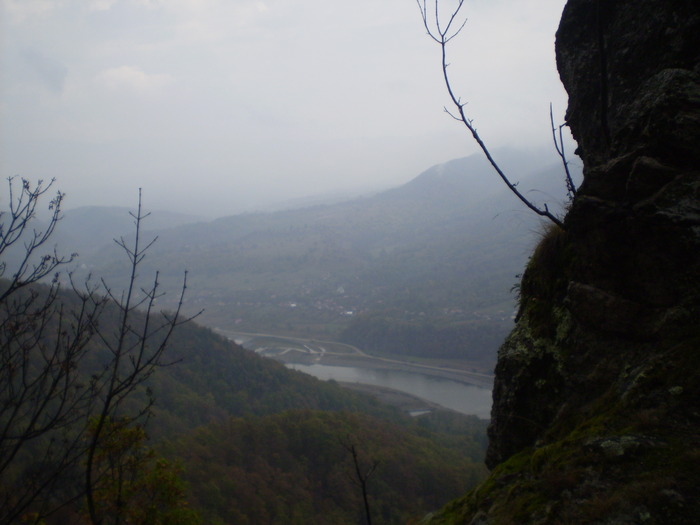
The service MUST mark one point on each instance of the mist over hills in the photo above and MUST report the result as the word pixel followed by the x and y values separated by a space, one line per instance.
pixel 419 270
pixel 440 250
pixel 89 228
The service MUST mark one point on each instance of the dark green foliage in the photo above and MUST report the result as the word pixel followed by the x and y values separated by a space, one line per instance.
pixel 545 280
pixel 135 485
pixel 214 378
pixel 281 457
pixel 455 431
pixel 291 468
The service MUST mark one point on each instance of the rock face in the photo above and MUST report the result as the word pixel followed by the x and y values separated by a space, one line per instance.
pixel 596 415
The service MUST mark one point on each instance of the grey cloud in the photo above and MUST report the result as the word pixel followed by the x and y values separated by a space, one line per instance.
pixel 307 96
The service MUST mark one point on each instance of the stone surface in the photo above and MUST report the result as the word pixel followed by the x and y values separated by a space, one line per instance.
pixel 596 399
pixel 632 230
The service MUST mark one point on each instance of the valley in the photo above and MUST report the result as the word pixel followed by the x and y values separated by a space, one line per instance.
pixel 311 332
pixel 372 323
pixel 415 280
pixel 415 386
pixel 422 271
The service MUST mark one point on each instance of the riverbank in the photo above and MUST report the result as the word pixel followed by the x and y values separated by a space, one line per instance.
pixel 380 363
pixel 425 386
pixel 403 401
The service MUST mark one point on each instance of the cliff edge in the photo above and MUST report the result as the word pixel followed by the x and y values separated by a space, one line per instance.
pixel 596 415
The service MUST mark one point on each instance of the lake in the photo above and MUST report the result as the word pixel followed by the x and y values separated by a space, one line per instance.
pixel 461 397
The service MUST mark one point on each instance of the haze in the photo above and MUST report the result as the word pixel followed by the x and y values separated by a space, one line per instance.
pixel 215 107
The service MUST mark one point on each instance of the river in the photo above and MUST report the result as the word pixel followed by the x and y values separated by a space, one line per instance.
pixel 460 397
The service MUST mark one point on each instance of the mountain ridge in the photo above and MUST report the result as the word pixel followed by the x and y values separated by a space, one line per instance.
pixel 439 243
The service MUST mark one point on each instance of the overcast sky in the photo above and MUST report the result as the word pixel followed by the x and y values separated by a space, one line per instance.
pixel 217 106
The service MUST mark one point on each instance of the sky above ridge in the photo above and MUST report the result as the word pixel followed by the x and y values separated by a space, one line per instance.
pixel 215 107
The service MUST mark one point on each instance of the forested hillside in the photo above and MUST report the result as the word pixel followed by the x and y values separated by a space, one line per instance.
pixel 261 443
pixel 296 468
pixel 396 273
pixel 253 439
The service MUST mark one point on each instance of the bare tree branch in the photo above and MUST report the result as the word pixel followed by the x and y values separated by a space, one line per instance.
pixel 52 410
pixel 558 138
pixel 138 351
pixel 361 475
pixel 443 35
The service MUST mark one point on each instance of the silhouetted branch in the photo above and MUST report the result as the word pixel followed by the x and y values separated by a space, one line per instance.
pixel 361 475
pixel 52 411
pixel 443 35
pixel 137 351
pixel 16 226
pixel 42 341
pixel 558 138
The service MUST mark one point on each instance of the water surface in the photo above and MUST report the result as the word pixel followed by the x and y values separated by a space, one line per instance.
pixel 461 397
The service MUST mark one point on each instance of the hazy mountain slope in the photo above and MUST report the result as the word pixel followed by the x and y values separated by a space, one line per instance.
pixel 90 228
pixel 451 240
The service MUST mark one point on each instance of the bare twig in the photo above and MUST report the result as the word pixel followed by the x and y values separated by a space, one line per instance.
pixel 361 475
pixel 136 353
pixel 52 413
pixel 558 138
pixel 443 35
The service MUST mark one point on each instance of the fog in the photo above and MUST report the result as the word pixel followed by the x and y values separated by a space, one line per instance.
pixel 214 107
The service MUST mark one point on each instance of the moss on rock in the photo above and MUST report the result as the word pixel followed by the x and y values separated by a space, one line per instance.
pixel 596 398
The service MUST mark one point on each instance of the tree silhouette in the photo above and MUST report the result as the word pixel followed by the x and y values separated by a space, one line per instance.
pixel 361 474
pixel 70 360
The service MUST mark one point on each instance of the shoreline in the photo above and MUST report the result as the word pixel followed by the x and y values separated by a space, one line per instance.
pixel 378 363
pixel 408 403
pixel 298 351
pixel 306 351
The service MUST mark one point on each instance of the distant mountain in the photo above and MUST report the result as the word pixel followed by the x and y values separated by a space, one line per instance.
pixel 444 248
pixel 90 228
pixel 468 179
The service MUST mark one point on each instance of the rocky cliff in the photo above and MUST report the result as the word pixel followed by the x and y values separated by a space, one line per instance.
pixel 596 415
